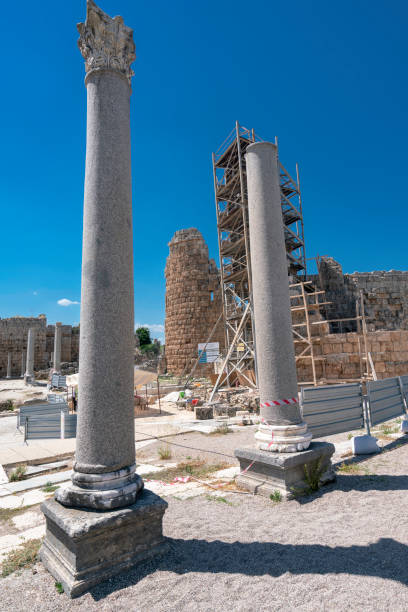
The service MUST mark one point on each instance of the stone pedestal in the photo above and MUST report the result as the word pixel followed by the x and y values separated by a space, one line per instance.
pixel 29 373
pixel 102 523
pixel 83 548
pixel 284 472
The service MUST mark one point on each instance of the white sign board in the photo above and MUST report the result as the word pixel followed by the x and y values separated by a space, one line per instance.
pixel 211 352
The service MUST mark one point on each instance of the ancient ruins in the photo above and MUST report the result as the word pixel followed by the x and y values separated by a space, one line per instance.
pixel 14 336
pixel 83 548
pixel 193 300
pixel 338 347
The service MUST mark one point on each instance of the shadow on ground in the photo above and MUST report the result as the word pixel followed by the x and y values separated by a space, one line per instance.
pixel 366 482
pixel 385 559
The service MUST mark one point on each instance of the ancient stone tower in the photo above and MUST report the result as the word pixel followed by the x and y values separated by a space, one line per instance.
pixel 193 302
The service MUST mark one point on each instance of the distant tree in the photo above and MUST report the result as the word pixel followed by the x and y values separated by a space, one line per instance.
pixel 144 336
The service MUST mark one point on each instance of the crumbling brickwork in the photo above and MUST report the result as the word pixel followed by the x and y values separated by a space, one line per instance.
pixel 13 338
pixel 385 295
pixel 389 351
pixel 193 301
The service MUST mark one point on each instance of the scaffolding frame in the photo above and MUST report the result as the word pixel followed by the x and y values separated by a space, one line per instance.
pixel 231 203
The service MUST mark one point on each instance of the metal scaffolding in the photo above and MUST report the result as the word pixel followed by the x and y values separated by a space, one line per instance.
pixel 231 200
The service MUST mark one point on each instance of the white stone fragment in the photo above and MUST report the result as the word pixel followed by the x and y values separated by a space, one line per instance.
pixel 3 475
pixel 404 425
pixel 27 520
pixel 364 445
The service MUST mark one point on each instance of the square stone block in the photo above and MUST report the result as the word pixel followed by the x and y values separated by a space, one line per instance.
pixel 85 547
pixel 284 472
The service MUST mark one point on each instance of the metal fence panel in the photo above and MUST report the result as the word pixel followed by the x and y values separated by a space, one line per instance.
pixel 332 409
pixel 54 398
pixel 48 426
pixel 70 425
pixel 385 400
pixel 43 427
pixel 404 388
pixel 58 382
pixel 34 410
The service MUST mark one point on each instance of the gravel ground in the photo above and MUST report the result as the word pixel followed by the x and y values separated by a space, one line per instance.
pixel 345 548
pixel 196 445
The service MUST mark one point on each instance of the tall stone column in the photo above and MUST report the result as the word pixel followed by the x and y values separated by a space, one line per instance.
pixel 29 373
pixel 282 431
pixel 8 365
pixel 125 525
pixel 277 378
pixel 57 349
pixel 104 470
pixel 23 357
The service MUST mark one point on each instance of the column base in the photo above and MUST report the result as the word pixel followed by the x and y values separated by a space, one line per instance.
pixel 284 472
pixel 105 491
pixel 83 548
pixel 283 438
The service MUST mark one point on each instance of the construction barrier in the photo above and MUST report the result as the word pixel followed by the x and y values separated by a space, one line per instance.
pixel 385 399
pixel 58 382
pixel 332 409
pixel 50 426
pixel 34 410
pixel 54 398
pixel 336 409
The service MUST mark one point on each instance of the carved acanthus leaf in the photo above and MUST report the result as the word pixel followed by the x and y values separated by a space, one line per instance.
pixel 105 42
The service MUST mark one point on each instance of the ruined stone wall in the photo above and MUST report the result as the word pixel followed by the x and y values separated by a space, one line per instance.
pixel 389 351
pixel 385 296
pixel 13 338
pixel 68 343
pixel 75 344
pixel 193 301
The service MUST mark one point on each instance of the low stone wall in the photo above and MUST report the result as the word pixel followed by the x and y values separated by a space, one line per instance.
pixel 389 351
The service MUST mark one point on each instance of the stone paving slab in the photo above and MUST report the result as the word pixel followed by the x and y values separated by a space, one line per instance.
pixel 37 469
pixel 34 483
pixel 13 541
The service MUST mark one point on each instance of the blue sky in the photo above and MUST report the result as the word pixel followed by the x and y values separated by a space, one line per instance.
pixel 328 78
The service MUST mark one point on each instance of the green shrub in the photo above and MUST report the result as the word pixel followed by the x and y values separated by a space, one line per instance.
pixel 164 452
pixel 276 496
pixel 18 473
pixel 143 334
pixel 150 348
pixel 7 405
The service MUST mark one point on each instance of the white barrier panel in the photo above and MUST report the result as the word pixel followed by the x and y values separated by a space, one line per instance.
pixel 385 400
pixel 46 427
pixel 332 409
pixel 34 410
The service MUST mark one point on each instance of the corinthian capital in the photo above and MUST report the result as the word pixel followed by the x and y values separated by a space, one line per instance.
pixel 105 42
